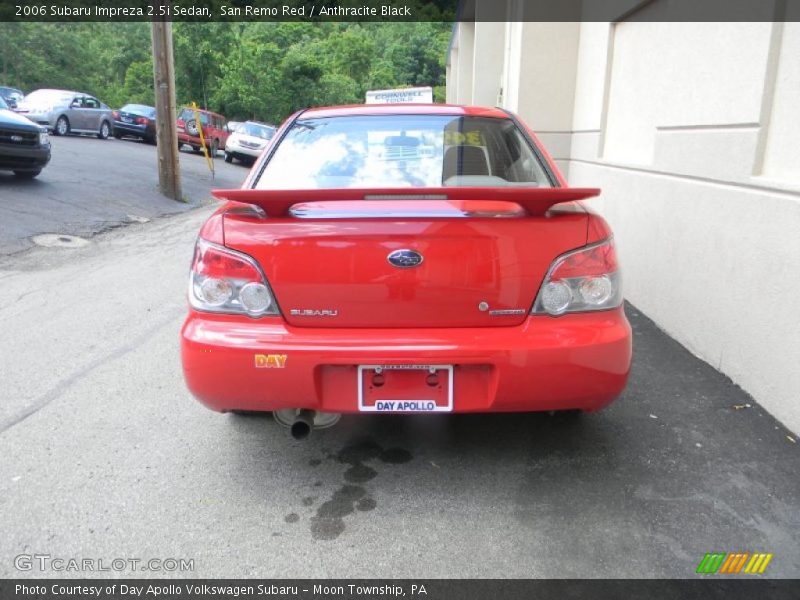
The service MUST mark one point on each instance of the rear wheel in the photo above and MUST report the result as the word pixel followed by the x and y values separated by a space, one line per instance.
pixel 26 174
pixel 228 157
pixel 62 126
pixel 105 131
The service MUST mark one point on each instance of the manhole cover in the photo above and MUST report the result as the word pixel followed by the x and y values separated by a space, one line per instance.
pixel 59 240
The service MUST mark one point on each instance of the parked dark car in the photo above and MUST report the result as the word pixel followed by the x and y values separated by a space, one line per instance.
pixel 11 95
pixel 24 146
pixel 137 120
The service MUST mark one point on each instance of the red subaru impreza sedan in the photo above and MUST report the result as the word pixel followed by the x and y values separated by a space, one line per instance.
pixel 404 259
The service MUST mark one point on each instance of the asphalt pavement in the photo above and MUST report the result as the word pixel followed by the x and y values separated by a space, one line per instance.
pixel 95 185
pixel 105 455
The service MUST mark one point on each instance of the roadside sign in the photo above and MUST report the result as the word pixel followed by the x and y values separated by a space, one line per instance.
pixel 417 95
pixel 203 141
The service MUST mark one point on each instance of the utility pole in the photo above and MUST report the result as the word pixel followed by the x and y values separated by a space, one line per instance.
pixel 169 172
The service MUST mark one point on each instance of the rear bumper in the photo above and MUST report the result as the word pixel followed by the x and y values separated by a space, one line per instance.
pixel 47 119
pixel 578 361
pixel 130 129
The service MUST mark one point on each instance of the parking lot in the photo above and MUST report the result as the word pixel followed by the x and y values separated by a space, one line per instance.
pixel 106 455
pixel 94 185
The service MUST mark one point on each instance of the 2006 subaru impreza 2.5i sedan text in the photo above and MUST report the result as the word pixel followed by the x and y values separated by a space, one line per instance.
pixel 403 259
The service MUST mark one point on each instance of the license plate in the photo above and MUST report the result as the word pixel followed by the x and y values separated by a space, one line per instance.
pixel 405 388
pixel 127 120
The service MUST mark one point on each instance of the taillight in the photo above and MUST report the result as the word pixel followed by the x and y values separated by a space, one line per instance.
pixel 583 280
pixel 226 281
pixel 115 114
pixel 142 120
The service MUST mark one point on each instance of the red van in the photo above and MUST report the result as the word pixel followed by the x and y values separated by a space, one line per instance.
pixel 214 130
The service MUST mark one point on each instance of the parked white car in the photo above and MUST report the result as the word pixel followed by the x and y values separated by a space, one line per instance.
pixel 247 141
pixel 64 112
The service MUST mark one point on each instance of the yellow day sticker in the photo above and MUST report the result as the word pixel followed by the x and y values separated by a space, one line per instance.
pixel 464 138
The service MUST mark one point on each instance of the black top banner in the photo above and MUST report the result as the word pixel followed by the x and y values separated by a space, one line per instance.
pixel 399 10
pixel 392 589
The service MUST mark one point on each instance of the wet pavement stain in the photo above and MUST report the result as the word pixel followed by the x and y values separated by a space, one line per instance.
pixel 292 518
pixel 359 473
pixel 366 504
pixel 308 500
pixel 328 522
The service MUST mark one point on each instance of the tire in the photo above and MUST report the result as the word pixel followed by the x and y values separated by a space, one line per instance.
pixel 191 128
pixel 151 141
pixel 62 126
pixel 105 131
pixel 228 158
pixel 26 174
pixel 117 136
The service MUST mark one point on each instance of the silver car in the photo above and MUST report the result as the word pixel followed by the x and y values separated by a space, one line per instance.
pixel 65 112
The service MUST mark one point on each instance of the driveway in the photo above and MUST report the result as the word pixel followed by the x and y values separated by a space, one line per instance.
pixel 106 455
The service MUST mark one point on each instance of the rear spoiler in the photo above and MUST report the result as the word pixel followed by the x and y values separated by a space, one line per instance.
pixel 536 201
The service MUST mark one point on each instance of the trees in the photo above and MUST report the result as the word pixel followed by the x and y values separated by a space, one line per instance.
pixel 256 70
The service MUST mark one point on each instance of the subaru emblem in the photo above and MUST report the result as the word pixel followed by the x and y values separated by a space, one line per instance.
pixel 405 258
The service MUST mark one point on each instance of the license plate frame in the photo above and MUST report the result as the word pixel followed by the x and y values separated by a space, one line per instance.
pixel 362 407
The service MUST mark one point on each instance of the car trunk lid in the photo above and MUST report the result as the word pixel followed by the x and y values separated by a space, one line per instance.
pixel 482 261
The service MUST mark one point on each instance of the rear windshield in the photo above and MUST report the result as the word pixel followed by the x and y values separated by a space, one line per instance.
pixel 139 109
pixel 187 114
pixel 402 151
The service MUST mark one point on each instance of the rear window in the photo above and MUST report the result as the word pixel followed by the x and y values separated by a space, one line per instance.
pixel 187 114
pixel 403 151
pixel 140 109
